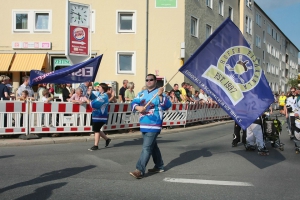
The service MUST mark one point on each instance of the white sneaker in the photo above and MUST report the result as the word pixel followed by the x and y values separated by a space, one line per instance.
pixel 51 126
pixel 43 125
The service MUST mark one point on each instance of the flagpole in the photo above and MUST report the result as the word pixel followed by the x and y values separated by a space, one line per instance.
pixel 157 92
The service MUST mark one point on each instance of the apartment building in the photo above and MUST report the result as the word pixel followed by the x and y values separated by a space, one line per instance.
pixel 277 55
pixel 136 37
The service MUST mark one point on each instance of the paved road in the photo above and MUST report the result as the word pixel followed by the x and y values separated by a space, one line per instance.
pixel 69 171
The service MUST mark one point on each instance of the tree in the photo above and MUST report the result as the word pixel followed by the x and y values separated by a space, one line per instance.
pixel 293 82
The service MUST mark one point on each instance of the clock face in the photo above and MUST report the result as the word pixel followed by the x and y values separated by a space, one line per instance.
pixel 79 15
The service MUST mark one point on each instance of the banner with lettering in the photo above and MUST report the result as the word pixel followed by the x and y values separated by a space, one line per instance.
pixel 79 73
pixel 225 67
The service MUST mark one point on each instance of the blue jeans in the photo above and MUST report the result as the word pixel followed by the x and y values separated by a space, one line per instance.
pixel 149 148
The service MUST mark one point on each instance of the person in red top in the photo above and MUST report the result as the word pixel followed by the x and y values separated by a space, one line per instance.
pixel 51 89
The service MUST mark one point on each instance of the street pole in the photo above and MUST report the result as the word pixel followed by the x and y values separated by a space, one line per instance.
pixel 147 29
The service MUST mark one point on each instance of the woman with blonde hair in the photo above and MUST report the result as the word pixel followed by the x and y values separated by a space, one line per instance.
pixel 129 93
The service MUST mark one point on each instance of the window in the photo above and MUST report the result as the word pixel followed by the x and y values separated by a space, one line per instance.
pixel 258 41
pixel 269 30
pixel 208 30
pixel 247 24
pixel 221 7
pixel 209 3
pixel 274 34
pixel 263 55
pixel 258 19
pixel 268 68
pixel 258 60
pixel 269 48
pixel 21 20
pixel 250 26
pixel 230 13
pixel 264 36
pixel 280 66
pixel 194 27
pixel 32 21
pixel 41 21
pixel 126 22
pixel 248 3
pixel 125 62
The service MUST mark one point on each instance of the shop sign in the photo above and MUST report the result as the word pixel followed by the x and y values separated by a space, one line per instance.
pixel 31 45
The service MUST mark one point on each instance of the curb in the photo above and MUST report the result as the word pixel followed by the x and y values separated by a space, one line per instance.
pixel 72 139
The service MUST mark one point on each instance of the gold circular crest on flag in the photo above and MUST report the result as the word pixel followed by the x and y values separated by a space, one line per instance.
pixel 241 66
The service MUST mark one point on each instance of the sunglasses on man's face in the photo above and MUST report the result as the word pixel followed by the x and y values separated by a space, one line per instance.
pixel 147 80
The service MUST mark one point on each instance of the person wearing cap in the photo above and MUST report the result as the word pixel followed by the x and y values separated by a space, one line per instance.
pixel 96 86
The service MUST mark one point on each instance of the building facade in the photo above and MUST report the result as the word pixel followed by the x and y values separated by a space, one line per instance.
pixel 277 55
pixel 136 37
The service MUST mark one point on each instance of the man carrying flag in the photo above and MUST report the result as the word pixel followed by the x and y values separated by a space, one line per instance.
pixel 228 71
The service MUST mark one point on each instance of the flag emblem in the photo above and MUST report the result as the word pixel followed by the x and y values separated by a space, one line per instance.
pixel 237 71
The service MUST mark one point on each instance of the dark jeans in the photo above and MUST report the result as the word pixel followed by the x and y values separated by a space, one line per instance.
pixel 237 135
pixel 149 148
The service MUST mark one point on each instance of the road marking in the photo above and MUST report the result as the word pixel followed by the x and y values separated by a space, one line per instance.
pixel 207 182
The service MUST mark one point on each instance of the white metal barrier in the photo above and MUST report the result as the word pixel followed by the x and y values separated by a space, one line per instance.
pixel 176 115
pixel 13 117
pixel 18 117
pixel 59 117
pixel 121 117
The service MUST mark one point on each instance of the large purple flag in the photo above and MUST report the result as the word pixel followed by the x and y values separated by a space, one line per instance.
pixel 225 67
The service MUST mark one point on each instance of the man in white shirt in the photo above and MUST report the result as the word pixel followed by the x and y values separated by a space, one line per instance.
pixel 203 97
pixel 25 86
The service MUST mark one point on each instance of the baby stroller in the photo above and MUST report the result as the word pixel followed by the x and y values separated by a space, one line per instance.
pixel 272 129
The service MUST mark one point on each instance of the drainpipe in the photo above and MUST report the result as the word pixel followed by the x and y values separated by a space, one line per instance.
pixel 147 23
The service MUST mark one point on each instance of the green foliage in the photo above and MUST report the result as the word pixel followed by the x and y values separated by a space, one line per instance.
pixel 293 82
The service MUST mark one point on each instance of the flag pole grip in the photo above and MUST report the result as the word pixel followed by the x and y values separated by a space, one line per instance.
pixel 157 92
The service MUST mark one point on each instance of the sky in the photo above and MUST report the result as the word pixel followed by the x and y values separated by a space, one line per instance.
pixel 286 15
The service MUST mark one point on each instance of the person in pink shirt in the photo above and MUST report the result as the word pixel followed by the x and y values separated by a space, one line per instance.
pixel 78 97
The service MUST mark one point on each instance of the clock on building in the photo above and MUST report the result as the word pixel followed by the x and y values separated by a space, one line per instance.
pixel 79 14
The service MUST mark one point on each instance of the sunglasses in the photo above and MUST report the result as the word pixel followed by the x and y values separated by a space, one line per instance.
pixel 147 80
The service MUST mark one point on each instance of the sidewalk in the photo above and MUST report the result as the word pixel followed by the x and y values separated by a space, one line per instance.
pixel 6 142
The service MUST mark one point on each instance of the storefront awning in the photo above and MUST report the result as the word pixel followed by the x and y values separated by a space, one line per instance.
pixel 27 62
pixel 5 60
